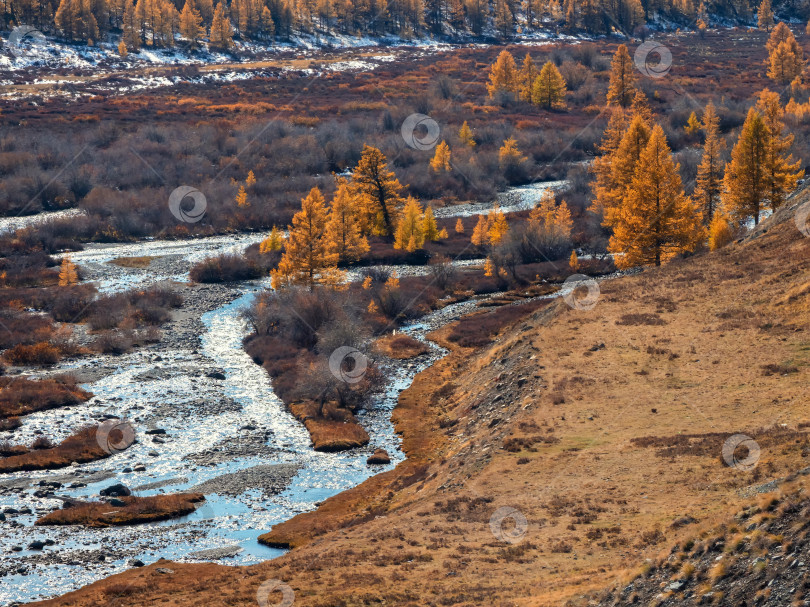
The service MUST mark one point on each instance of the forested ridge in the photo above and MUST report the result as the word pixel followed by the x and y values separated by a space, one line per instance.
pixel 219 23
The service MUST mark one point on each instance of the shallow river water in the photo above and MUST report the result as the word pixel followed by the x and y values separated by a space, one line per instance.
pixel 233 434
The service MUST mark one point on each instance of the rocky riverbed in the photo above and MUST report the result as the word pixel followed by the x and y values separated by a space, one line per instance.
pixel 206 420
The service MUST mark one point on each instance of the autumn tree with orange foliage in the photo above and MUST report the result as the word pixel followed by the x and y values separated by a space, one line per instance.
pixel 623 163
pixel 781 172
pixel 343 234
pixel 785 56
pixel 273 242
pixel 68 275
pixel 503 77
pixel 441 159
pixel 410 234
pixel 379 193
pixel 709 185
pixel 656 221
pixel 762 171
pixel 621 88
pixel 308 258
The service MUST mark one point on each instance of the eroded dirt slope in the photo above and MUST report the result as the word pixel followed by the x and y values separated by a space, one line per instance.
pixel 603 428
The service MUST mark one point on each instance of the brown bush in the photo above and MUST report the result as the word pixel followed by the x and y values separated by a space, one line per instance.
pixel 478 330
pixel 20 395
pixel 80 447
pixel 37 354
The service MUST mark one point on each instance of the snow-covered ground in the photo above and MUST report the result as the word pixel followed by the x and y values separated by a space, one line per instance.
pixel 9 224
pixel 58 69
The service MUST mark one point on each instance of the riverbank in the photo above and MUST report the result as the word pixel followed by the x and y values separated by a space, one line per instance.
pixel 490 441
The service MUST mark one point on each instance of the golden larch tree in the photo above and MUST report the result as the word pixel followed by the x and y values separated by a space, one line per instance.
pixel 241 198
pixel 480 234
pixel 441 159
pixel 656 221
pixel 709 184
pixel 410 235
pixel 459 226
pixel 603 163
pixel 273 242
pixel 307 253
pixel 785 56
pixel 379 192
pixel 785 64
pixel 68 275
pixel 549 88
pixel 622 168
pixel 781 172
pixel 503 76
pixel 465 134
pixel 430 228
pixel 221 36
pixel 551 219
pixel 191 27
pixel 621 88
pixel 780 33
pixel 497 227
pixel 744 185
pixel 765 16
pixel 573 262
pixel 692 125
pixel 250 180
pixel 343 234
pixel 526 77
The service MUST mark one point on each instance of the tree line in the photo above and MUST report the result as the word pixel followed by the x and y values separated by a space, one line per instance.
pixel 166 23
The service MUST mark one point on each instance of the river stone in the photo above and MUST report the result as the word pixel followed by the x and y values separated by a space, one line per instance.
pixel 379 457
pixel 117 490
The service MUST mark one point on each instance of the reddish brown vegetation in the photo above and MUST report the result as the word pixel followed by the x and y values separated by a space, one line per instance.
pixel 478 330
pixel 400 346
pixel 20 395
pixel 80 447
pixel 136 510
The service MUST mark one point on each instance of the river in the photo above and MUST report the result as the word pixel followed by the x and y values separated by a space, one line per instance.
pixel 232 434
